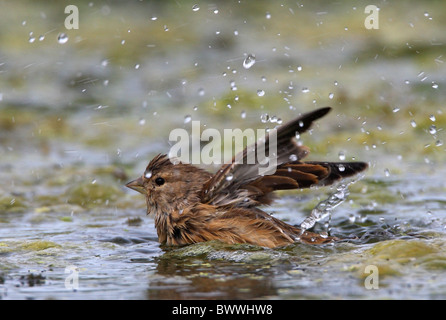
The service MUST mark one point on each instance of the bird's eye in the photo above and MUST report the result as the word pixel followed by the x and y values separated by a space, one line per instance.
pixel 159 181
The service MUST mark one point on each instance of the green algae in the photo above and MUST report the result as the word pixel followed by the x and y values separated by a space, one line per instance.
pixel 66 219
pixel 39 245
pixel 397 257
pixel 12 204
pixel 402 251
pixel 87 194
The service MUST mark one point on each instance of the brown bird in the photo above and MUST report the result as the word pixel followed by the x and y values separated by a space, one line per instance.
pixel 191 205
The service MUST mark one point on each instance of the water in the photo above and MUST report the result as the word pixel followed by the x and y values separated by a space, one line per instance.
pixel 324 208
pixel 62 38
pixel 249 61
pixel 80 119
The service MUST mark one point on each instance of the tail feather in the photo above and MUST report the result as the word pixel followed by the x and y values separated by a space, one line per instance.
pixel 300 175
pixel 339 170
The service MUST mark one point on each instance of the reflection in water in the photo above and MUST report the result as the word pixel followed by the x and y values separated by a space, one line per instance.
pixel 196 278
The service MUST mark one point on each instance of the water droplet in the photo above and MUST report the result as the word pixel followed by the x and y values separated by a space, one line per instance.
pixel 268 15
pixel 263 79
pixel 31 39
pixel 216 11
pixel 195 108
pixel 279 121
pixel 439 143
pixel 331 95
pixel 201 92
pixel 195 7
pixel 406 81
pixel 260 93
pixel 341 155
pixel 229 177
pixel 137 66
pixel 243 114
pixel 341 167
pixel 434 85
pixel 41 38
pixel 148 174
pixel 93 181
pixel 293 157
pixel 299 68
pixel 249 61
pixel 352 218
pixel 154 18
pixel 433 129
pixel 166 28
pixel 187 118
pixel 395 110
pixel 386 172
pixel 142 121
pixel 432 118
pixel 62 38
pixel 305 90
pixel 335 83
pixel 264 117
pixel 413 123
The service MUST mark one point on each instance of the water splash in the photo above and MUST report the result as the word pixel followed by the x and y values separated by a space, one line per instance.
pixel 325 208
pixel 264 117
pixel 62 38
pixel 187 118
pixel 249 61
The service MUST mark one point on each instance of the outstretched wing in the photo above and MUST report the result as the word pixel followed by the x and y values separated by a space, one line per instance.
pixel 240 183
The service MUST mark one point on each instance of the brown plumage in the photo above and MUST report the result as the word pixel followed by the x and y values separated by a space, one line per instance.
pixel 192 205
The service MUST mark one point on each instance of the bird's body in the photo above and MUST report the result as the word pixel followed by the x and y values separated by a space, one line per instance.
pixel 191 205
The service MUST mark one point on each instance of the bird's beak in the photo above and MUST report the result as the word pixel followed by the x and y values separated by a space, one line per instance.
pixel 136 185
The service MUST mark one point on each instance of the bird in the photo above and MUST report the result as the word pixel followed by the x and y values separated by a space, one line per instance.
pixel 192 205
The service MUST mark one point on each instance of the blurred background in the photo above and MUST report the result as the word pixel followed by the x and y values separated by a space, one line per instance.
pixel 82 111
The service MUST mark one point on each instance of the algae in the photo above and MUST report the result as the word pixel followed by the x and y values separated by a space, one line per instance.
pixel 87 194
pixel 39 245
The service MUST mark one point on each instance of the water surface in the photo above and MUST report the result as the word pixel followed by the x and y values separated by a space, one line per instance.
pixel 81 116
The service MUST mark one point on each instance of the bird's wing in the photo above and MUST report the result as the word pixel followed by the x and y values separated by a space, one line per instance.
pixel 243 184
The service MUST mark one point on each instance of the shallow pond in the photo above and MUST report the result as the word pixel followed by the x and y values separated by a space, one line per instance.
pixel 82 111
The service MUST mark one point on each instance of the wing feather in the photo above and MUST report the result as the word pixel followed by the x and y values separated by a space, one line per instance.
pixel 233 180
